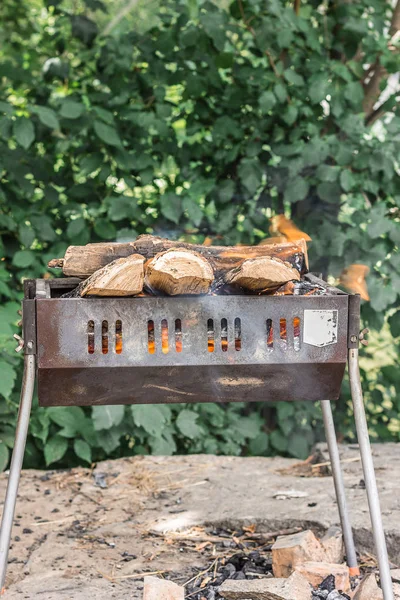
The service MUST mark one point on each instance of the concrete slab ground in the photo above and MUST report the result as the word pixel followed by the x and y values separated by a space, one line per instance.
pixel 83 534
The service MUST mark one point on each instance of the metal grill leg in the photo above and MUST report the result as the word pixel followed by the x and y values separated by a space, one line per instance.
pixel 369 476
pixel 28 384
pixel 339 487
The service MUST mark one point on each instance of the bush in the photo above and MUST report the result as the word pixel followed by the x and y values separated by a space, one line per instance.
pixel 207 124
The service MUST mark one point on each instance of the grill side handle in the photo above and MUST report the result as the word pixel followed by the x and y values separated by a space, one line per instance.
pixel 353 336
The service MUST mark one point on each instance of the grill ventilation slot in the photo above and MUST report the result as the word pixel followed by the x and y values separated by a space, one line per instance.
pixel 283 332
pixel 210 335
pixel 104 337
pixel 224 335
pixel 90 332
pixel 164 336
pixel 238 334
pixel 270 335
pixel 296 333
pixel 178 335
pixel 151 342
pixel 118 337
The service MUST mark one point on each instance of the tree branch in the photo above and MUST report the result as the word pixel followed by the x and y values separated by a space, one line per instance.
pixel 395 23
pixel 382 109
pixel 119 16
pixel 253 33
pixel 297 6
pixel 373 87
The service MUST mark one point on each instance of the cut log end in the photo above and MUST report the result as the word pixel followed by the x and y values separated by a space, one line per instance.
pixel 122 277
pixel 262 274
pixel 179 272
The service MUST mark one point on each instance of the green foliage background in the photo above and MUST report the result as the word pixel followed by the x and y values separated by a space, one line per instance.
pixel 191 119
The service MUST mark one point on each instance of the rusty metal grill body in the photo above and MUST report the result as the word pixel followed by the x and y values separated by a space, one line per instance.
pixel 147 350
pixel 263 348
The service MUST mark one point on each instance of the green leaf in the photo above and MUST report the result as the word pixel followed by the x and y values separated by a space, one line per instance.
pixel 104 115
pixel 250 174
pixel 4 455
pixel 105 417
pixel 226 190
pixel 26 235
pixel 54 449
pixel 330 192
pixel 122 208
pixel 107 134
pixel 105 229
pixel 280 92
pixel 347 180
pixel 354 92
pixel 293 77
pixel 91 163
pixel 71 109
pixel 171 207
pixel 248 427
pixel 285 410
pixel 187 424
pixel 83 450
pixel 149 416
pixel 7 379
pixel 193 210
pixel 47 116
pixel 260 444
pixel 297 190
pixel 109 439
pixel 394 324
pixel 161 446
pixel 318 88
pixel 24 132
pixel 23 258
pixel 66 416
pixel 327 173
pixel 75 227
pixel 267 101
pixel 298 445
pixel 278 441
pixel 290 114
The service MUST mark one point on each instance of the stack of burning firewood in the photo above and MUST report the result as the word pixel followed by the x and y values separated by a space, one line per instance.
pixel 156 266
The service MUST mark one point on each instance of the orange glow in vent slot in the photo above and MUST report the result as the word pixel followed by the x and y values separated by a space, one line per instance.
pixel 164 336
pixel 178 335
pixel 118 336
pixel 151 343
pixel 210 335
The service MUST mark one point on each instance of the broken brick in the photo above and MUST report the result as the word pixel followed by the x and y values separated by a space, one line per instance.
pixel 368 589
pixel 316 572
pixel 162 589
pixel 332 543
pixel 292 550
pixel 295 587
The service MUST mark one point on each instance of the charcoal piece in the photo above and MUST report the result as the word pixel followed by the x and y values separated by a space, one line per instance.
pixel 239 575
pixel 319 594
pixel 335 595
pixel 229 570
pixel 328 583
pixel 255 556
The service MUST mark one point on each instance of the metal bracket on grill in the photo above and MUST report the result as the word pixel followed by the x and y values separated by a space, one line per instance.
pixel 42 288
pixel 353 337
pixel 29 326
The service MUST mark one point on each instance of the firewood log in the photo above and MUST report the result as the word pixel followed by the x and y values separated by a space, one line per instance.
pixel 121 277
pixel 178 271
pixel 82 261
pixel 262 274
